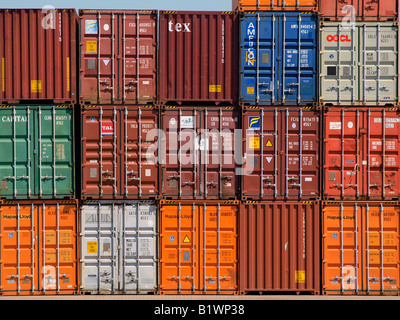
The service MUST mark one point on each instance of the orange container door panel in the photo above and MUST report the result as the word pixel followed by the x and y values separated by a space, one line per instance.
pixel 275 5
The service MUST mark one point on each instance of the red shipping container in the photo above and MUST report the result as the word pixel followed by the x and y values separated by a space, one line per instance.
pixel 276 167
pixel 198 153
pixel 279 247
pixel 198 59
pixel 38 56
pixel 116 155
pixel 356 165
pixel 363 10
pixel 118 56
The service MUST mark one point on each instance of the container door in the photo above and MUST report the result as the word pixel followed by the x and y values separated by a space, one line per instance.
pixel 138 258
pixel 54 136
pixel 138 44
pixel 17 157
pixel 379 80
pixel 218 249
pixel 381 227
pixel 179 249
pixel 99 247
pixel 140 151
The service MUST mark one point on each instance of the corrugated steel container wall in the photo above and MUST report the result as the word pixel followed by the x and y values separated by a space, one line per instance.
pixel 360 248
pixel 275 5
pixel 38 247
pixel 119 152
pixel 198 153
pixel 282 152
pixel 118 56
pixel 118 247
pixel 198 247
pixel 359 65
pixel 38 56
pixel 363 10
pixel 361 154
pixel 279 247
pixel 198 57
pixel 278 59
pixel 38 152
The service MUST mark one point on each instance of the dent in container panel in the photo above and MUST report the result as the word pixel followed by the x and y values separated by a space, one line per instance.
pixel 38 56
pixel 38 247
pixel 275 5
pixel 361 154
pixel 279 247
pixel 119 152
pixel 282 152
pixel 363 10
pixel 198 61
pixel 198 247
pixel 118 57
pixel 360 248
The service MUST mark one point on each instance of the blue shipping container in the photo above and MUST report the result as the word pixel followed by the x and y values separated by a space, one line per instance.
pixel 272 72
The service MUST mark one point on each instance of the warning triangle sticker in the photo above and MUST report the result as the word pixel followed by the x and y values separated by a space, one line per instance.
pixel 269 159
pixel 106 62
pixel 269 144
pixel 186 240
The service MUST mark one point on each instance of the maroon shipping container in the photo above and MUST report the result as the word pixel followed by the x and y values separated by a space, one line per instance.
pixel 198 153
pixel 118 57
pixel 279 247
pixel 198 57
pixel 363 10
pixel 117 161
pixel 356 165
pixel 282 153
pixel 38 56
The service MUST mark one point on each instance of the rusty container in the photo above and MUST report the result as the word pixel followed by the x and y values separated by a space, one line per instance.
pixel 118 56
pixel 360 10
pixel 38 56
pixel 275 5
pixel 279 247
pixel 197 152
pixel 281 153
pixel 360 248
pixel 38 247
pixel 198 59
pixel 198 247
pixel 361 154
pixel 119 150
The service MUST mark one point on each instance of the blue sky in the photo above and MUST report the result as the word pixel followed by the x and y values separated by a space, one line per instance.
pixel 201 5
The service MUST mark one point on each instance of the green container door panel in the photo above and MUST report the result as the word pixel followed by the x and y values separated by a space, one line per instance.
pixel 49 170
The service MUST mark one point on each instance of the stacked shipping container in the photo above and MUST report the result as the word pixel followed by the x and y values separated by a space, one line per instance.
pixel 244 152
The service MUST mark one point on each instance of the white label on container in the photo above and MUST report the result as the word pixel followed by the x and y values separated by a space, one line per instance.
pixel 335 126
pixel 308 179
pixel 93 161
pixel 106 27
pixel 148 172
pixel 146 82
pixel 364 162
pixel 350 125
pixel 187 122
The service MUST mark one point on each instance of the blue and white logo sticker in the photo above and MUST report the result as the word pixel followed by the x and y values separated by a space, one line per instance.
pixel 91 26
pixel 254 123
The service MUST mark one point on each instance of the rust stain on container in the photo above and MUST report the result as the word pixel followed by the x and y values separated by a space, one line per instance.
pixel 279 247
pixel 275 5
pixel 117 147
pixel 118 56
pixel 360 245
pixel 198 249
pixel 38 54
pixel 38 247
pixel 198 59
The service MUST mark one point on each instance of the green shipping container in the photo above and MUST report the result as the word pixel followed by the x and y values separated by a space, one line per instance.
pixel 37 152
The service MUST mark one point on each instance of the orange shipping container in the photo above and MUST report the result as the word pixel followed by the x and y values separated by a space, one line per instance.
pixel 361 248
pixel 38 247
pixel 275 5
pixel 198 252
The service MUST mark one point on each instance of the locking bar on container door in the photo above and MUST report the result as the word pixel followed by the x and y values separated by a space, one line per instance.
pixel 180 154
pixel 357 169
pixel 284 64
pixel 381 240
pixel 367 251
pixel 299 70
pixel 44 248
pixel 195 152
pixel 219 248
pixel 193 248
pixel 115 249
pixel 54 152
pixel 126 150
pixel 258 58
pixel 204 248
pixel 206 157
pixel 137 245
pixel 29 152
pixel 301 154
pixel 262 155
pixel 383 153
pixel 286 154
pixel 124 55
pixel 58 247
pixel 115 151
pixel 101 152
pixel 18 251
pixel 138 57
pixel 339 68
pixel 368 153
pixel 40 152
pixel 353 61
pixel 341 249
pixel 378 86
pixel 33 240
pixel 113 56
pixel 98 57
pixel 179 248
pixel 272 86
pixel 140 152
pixel 99 246
pixel 356 243
pixel 343 169
pixel 276 154
pixel 220 147
pixel 364 65
pixel 15 150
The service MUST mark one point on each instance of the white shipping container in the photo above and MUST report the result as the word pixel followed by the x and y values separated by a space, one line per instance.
pixel 359 63
pixel 118 247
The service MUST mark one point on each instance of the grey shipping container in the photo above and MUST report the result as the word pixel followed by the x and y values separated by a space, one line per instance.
pixel 359 63
pixel 118 247
pixel 37 158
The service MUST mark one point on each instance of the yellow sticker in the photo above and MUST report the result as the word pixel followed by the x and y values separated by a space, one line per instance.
pixel 250 90
pixel 214 88
pixel 300 276
pixel 254 143
pixel 91 46
pixel 92 247
pixel 269 144
pixel 186 240
pixel 36 86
